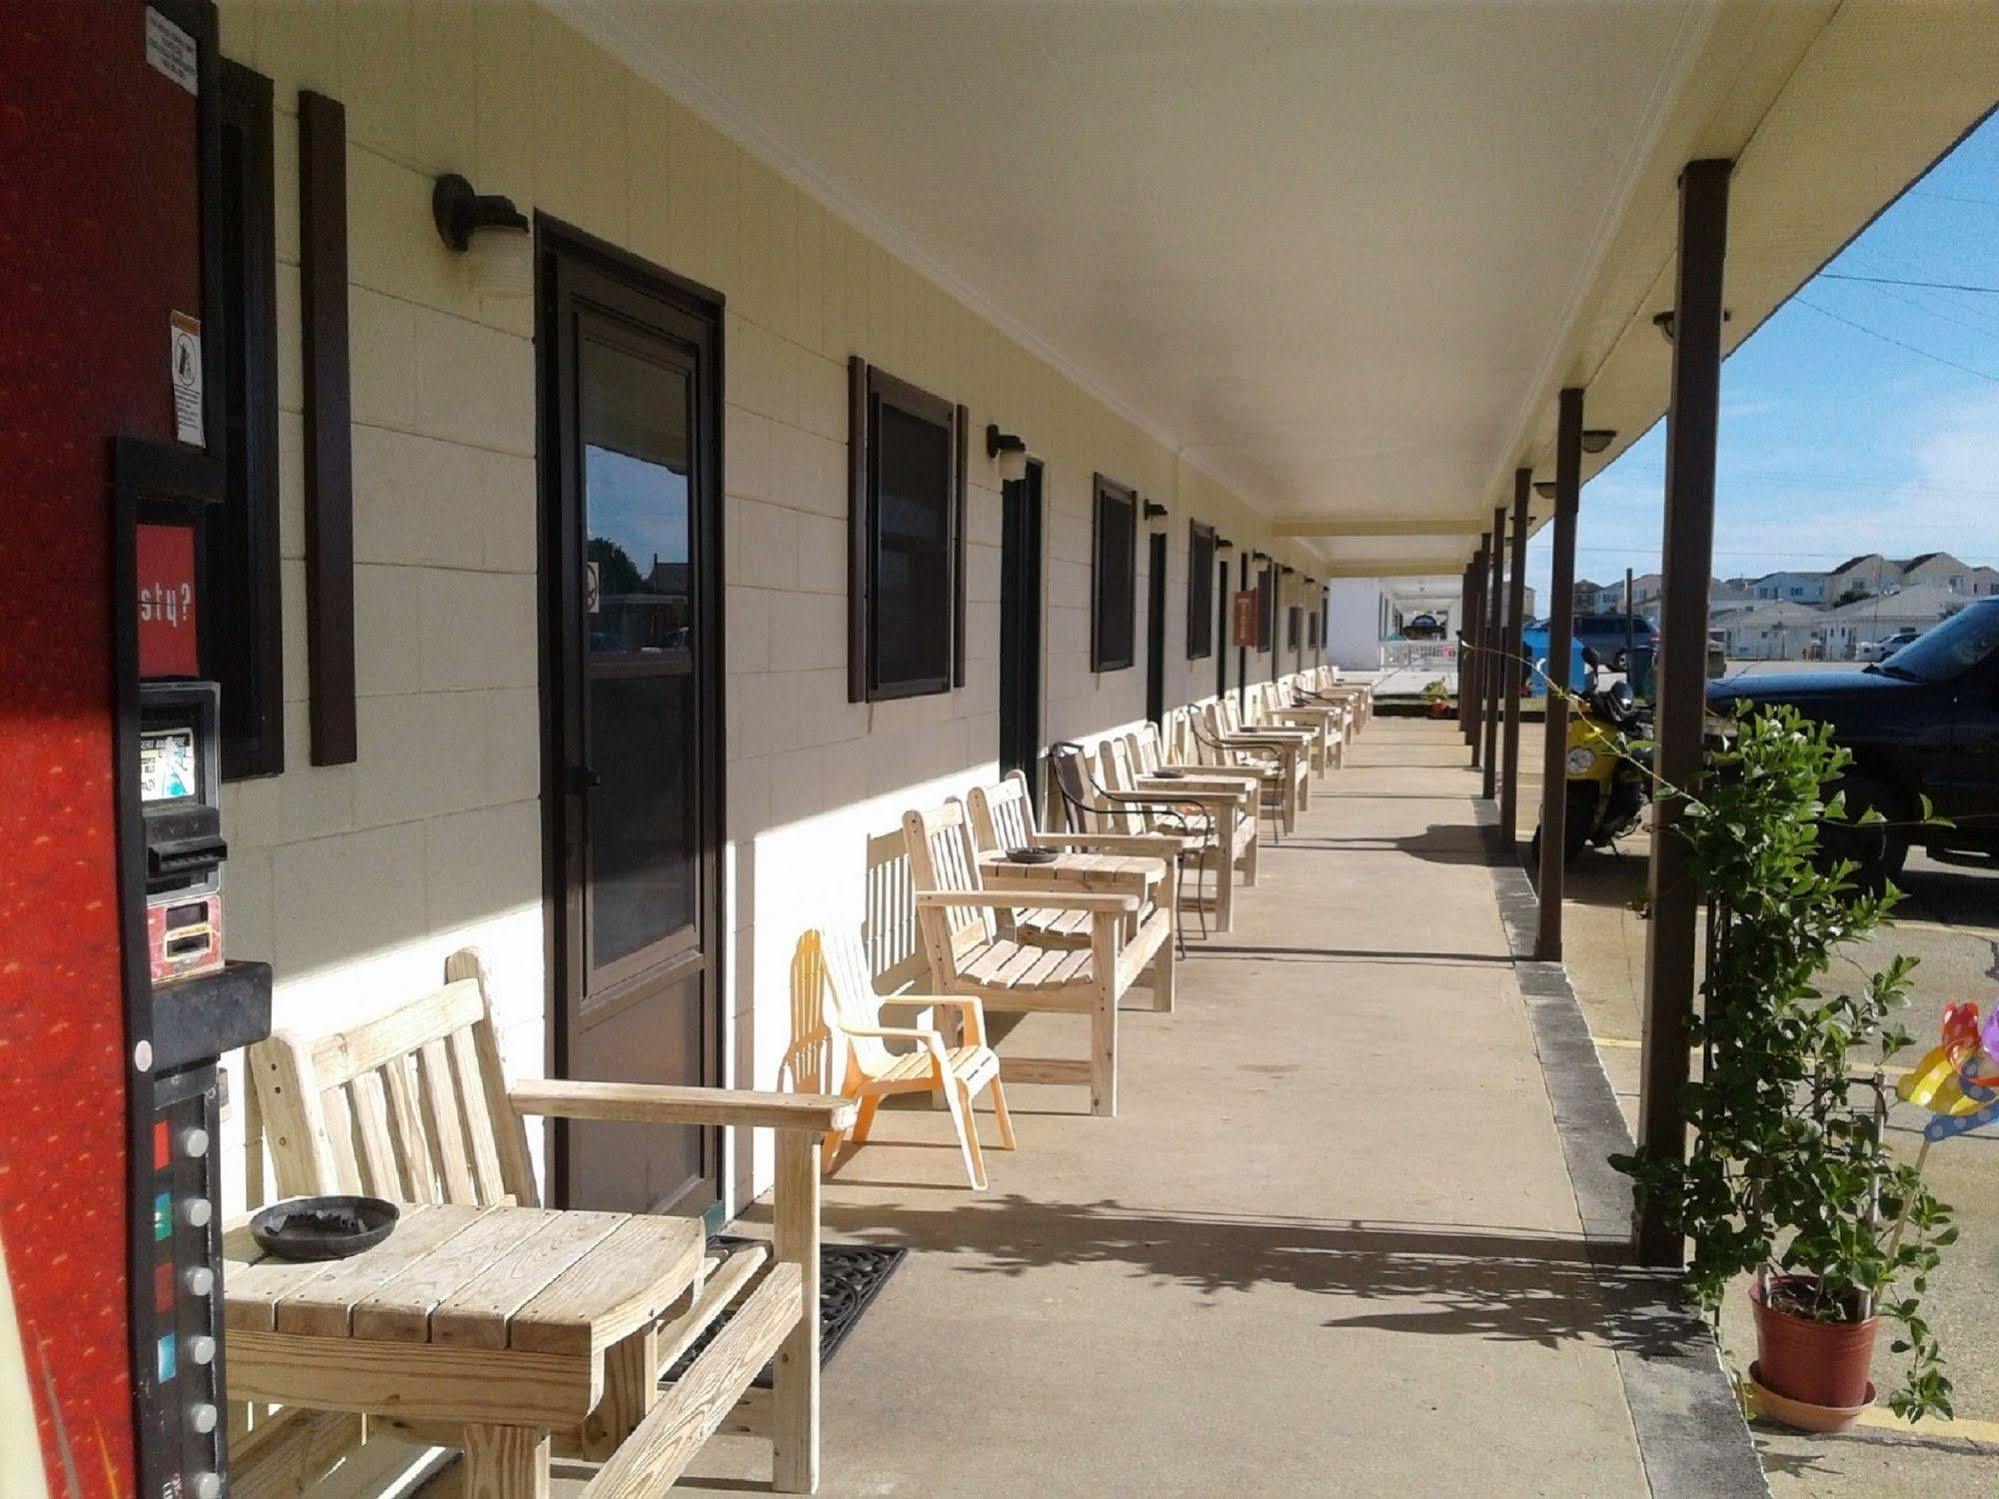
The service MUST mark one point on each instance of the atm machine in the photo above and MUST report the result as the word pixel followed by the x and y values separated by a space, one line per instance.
pixel 186 1003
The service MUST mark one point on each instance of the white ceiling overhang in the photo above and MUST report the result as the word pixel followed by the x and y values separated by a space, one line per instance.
pixel 1340 256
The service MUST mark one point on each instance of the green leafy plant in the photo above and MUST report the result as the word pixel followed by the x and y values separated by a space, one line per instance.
pixel 1787 1177
pixel 1434 690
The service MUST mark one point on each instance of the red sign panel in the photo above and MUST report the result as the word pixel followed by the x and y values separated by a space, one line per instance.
pixel 1243 615
pixel 167 637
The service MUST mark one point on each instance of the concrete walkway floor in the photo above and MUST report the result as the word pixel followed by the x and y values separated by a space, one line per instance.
pixel 1329 1245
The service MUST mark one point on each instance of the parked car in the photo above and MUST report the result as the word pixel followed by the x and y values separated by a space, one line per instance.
pixel 1608 634
pixel 1923 723
pixel 1882 649
pixel 1423 627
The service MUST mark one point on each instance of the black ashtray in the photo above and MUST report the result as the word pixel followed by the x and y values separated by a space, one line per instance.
pixel 1169 775
pixel 323 1228
pixel 1031 855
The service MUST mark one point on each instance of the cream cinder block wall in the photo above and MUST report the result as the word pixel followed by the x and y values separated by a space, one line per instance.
pixel 355 881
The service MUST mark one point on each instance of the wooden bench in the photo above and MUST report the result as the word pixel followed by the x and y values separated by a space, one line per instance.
pixel 1227 837
pixel 414 1105
pixel 970 955
pixel 1156 770
pixel 1277 704
pixel 1280 759
pixel 1003 817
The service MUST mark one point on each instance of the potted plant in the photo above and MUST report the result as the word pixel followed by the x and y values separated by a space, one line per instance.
pixel 1788 1179
pixel 1438 696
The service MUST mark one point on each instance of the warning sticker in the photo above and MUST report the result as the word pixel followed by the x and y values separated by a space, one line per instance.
pixel 184 337
pixel 171 51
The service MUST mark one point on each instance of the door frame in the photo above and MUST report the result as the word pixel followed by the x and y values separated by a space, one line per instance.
pixel 556 591
pixel 1032 542
pixel 1155 626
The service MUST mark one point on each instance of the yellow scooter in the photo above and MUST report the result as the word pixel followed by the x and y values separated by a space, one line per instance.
pixel 1607 792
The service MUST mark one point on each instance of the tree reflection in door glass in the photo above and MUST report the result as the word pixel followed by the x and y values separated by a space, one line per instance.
pixel 640 706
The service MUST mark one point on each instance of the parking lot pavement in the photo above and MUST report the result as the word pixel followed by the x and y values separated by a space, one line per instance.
pixel 1950 923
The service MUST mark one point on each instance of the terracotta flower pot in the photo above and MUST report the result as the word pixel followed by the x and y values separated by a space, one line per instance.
pixel 1817 1363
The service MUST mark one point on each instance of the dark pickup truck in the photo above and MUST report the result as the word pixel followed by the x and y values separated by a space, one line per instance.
pixel 1924 722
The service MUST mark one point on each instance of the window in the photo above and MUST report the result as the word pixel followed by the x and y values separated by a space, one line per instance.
pixel 906 533
pixel 1113 576
pixel 1200 590
pixel 1266 608
pixel 241 541
pixel 1292 617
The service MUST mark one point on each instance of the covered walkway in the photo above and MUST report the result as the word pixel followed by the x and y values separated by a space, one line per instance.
pixel 1330 1244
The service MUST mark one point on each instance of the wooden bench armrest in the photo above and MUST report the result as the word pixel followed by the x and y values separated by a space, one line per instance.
pixel 1195 774
pixel 660 1103
pixel 1211 795
pixel 1054 898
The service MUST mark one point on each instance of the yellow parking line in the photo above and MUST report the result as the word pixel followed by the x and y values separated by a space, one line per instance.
pixel 1962 1429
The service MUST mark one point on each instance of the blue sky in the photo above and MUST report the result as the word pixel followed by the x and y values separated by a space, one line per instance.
pixel 1834 440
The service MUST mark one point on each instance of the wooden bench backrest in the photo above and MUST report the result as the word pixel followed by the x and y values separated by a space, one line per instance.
pixel 410 1105
pixel 891 936
pixel 941 857
pixel 1114 770
pixel 1003 814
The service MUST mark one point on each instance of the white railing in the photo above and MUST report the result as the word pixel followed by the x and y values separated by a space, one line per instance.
pixel 1419 655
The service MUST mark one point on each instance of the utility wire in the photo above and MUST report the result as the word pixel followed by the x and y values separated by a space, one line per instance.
pixel 1901 281
pixel 1863 328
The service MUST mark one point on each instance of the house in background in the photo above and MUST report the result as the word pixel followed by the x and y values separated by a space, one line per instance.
pixel 1983 583
pixel 1939 568
pixel 1853 625
pixel 1727 593
pixel 1864 576
pixel 1791 587
pixel 1779 631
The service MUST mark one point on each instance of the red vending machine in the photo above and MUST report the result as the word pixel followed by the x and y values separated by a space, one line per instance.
pixel 185 1004
pixel 111 416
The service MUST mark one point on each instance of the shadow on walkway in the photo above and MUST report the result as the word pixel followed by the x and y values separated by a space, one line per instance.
pixel 1447 1280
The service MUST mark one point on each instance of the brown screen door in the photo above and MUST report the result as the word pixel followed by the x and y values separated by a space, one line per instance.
pixel 631 585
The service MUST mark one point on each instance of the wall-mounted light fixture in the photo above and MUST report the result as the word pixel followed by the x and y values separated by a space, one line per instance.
pixel 1008 453
pixel 1154 510
pixel 1596 439
pixel 1663 321
pixel 498 262
pixel 1223 544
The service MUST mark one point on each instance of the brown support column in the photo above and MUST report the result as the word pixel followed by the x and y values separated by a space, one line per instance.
pixel 1468 654
pixel 1561 646
pixel 1509 680
pixel 1489 672
pixel 1472 664
pixel 1692 418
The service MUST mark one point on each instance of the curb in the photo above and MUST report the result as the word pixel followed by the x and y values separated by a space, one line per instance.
pixel 1691 1435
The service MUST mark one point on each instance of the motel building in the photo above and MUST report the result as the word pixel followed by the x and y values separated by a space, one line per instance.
pixel 518 514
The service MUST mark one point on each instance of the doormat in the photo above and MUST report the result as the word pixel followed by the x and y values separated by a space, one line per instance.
pixel 850 1277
